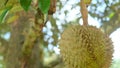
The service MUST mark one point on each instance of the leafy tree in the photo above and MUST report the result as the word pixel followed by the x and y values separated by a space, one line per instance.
pixel 34 31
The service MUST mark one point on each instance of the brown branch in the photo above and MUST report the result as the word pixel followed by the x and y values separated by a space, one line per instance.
pixel 84 12
pixel 52 8
pixel 23 64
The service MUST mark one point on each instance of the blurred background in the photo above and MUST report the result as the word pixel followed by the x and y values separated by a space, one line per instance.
pixel 104 14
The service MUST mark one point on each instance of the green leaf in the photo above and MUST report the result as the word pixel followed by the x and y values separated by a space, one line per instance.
pixel 3 14
pixel 25 4
pixel 111 15
pixel 44 5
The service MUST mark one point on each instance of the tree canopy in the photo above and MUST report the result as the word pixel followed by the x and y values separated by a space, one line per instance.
pixel 20 27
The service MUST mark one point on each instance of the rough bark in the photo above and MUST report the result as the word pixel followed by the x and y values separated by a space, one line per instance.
pixel 15 57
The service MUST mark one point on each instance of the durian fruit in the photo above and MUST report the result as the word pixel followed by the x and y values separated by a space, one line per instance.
pixel 85 47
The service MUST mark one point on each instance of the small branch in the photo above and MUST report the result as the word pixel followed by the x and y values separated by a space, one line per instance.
pixel 52 8
pixel 84 12
pixel 23 64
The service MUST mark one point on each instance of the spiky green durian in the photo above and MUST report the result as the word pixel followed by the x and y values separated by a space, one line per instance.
pixel 85 47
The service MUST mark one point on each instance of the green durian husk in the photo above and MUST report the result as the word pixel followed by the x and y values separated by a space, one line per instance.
pixel 85 47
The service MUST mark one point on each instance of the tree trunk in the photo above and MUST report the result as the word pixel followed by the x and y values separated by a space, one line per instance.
pixel 15 57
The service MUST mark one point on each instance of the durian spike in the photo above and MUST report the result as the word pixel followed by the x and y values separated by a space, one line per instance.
pixel 84 12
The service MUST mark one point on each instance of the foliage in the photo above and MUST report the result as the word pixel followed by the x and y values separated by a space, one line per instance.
pixel 4 13
pixel 44 5
pixel 116 64
pixel 105 12
pixel 25 4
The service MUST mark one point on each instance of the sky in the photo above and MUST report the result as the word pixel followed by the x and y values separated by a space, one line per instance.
pixel 115 36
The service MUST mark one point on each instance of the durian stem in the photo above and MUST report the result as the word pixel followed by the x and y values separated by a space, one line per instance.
pixel 84 12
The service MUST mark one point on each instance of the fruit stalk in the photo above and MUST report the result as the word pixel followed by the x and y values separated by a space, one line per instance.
pixel 84 12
